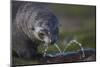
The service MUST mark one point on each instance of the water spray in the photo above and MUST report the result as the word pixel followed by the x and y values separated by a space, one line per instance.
pixel 46 48
pixel 62 52
pixel 75 41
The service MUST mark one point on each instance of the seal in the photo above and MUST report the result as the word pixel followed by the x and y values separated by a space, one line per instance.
pixel 32 25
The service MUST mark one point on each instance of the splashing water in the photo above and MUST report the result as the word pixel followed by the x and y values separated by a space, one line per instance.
pixel 75 41
pixel 58 48
pixel 46 48
pixel 62 52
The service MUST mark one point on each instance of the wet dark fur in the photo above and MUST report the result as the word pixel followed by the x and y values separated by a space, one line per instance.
pixel 24 44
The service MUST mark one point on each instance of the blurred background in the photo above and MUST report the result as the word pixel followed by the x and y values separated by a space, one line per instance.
pixel 76 22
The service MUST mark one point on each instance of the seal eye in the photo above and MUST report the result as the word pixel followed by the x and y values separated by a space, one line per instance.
pixel 41 35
